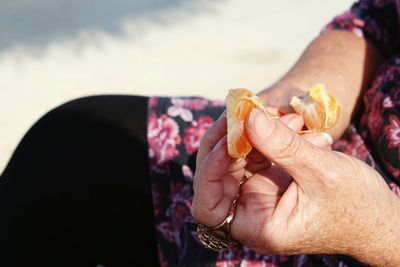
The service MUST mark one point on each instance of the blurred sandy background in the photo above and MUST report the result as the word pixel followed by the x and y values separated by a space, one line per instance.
pixel 52 51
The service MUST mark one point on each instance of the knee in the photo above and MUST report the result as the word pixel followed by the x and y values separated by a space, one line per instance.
pixel 82 118
pixel 87 127
pixel 89 109
pixel 84 124
pixel 126 113
pixel 119 112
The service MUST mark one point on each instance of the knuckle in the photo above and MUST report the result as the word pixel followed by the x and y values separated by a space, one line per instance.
pixel 289 148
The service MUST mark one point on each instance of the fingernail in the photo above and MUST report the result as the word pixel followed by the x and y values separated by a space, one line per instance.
pixel 260 124
pixel 293 121
pixel 328 138
pixel 323 139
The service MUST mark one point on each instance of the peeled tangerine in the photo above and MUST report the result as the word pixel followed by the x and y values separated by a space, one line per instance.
pixel 239 103
pixel 319 110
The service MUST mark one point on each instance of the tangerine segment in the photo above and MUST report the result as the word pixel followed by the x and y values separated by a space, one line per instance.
pixel 240 103
pixel 319 110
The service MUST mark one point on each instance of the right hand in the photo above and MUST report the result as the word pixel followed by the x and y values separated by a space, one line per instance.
pixel 216 181
pixel 316 201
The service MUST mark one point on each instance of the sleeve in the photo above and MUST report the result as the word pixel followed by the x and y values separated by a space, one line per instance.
pixel 374 20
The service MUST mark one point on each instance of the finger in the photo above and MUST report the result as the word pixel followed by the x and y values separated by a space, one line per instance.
pixel 284 147
pixel 211 138
pixel 272 110
pixel 322 140
pixel 273 181
pixel 217 185
pixel 293 121
pixel 287 203
pixel 257 161
pixel 234 164
pixel 259 197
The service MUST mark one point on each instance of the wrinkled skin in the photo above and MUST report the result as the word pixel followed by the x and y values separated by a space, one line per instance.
pixel 301 197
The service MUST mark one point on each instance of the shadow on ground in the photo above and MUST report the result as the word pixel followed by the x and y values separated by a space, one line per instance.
pixel 36 23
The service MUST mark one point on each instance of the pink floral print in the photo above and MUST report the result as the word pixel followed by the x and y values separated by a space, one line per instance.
pixel 373 137
pixel 393 132
pixel 178 109
pixel 194 133
pixel 163 137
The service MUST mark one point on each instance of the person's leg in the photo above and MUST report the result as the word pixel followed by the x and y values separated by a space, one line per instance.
pixel 77 190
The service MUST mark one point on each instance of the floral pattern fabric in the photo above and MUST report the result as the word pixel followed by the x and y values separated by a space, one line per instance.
pixel 176 126
pixel 375 20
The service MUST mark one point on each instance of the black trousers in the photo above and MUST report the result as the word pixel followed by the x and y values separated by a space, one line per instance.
pixel 76 192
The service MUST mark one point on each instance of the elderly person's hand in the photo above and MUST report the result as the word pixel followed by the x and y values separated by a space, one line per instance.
pixel 223 174
pixel 316 201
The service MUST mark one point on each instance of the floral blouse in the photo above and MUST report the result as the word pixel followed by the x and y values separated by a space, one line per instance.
pixel 176 126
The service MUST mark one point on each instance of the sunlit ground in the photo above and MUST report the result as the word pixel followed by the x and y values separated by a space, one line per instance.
pixel 52 51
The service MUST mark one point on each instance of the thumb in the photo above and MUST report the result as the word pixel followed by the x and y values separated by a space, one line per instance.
pixel 272 138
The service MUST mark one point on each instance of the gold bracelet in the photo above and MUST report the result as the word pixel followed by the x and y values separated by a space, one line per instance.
pixel 218 238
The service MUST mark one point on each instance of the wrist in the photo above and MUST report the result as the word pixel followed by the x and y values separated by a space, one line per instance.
pixel 379 243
